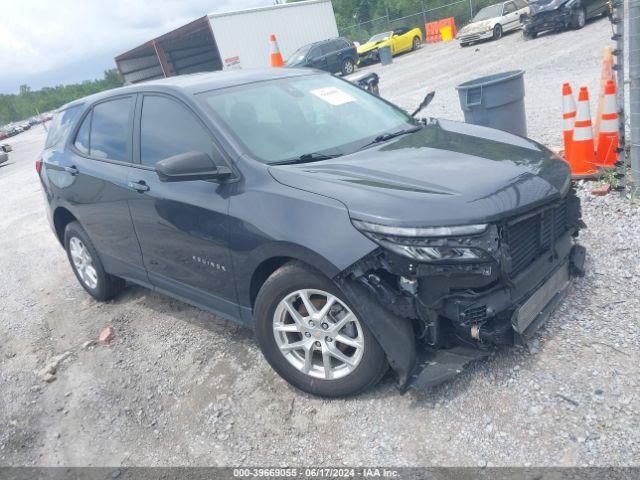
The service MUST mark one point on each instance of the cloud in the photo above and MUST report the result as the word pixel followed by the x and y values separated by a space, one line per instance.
pixel 42 39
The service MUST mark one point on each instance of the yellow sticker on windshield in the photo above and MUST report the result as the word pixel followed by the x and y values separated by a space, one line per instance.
pixel 333 95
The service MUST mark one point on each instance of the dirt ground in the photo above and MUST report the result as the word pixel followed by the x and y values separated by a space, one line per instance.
pixel 179 386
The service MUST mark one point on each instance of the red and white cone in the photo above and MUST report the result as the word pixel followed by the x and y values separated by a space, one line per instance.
pixel 582 158
pixel 607 154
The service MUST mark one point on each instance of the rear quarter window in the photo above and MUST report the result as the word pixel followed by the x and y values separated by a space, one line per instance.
pixel 60 126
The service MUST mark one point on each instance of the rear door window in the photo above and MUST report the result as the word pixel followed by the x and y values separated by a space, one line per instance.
pixel 82 137
pixel 111 130
pixel 328 48
pixel 167 128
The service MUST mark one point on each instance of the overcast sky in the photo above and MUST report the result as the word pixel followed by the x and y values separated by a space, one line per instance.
pixel 52 42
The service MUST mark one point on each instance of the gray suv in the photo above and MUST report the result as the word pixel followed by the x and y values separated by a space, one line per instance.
pixel 350 236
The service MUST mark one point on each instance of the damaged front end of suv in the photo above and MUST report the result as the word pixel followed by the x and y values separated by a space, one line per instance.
pixel 552 15
pixel 465 290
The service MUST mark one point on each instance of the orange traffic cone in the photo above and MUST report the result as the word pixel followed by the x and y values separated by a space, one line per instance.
pixel 606 75
pixel 568 117
pixel 607 154
pixel 582 158
pixel 276 57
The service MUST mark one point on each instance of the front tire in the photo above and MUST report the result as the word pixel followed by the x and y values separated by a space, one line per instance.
pixel 497 32
pixel 87 266
pixel 416 43
pixel 580 19
pixel 347 67
pixel 313 337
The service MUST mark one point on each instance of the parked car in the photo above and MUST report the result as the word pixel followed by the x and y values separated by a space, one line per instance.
pixel 556 15
pixel 399 40
pixel 3 135
pixel 347 234
pixel 337 55
pixel 4 153
pixel 492 21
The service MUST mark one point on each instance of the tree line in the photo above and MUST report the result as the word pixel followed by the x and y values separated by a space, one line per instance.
pixel 27 103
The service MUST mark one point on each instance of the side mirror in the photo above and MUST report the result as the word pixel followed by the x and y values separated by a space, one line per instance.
pixel 7 148
pixel 190 166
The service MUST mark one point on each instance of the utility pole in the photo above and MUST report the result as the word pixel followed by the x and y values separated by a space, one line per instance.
pixel 634 90
pixel 617 20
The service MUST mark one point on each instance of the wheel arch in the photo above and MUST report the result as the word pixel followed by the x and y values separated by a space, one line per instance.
pixel 61 218
pixel 272 258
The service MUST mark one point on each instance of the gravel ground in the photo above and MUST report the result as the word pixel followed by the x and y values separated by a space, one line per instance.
pixel 179 386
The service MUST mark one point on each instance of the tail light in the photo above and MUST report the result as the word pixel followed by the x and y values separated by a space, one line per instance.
pixel 38 165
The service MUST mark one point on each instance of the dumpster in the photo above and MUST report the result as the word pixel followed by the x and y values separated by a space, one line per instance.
pixel 495 101
pixel 385 55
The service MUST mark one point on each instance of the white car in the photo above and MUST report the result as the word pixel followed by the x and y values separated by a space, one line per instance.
pixel 493 21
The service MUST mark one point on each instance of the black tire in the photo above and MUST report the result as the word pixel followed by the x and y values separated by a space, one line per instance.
pixel 497 32
pixel 529 34
pixel 296 276
pixel 464 45
pixel 107 285
pixel 348 66
pixel 416 43
pixel 580 19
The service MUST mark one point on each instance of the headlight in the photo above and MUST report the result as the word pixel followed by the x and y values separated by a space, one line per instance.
pixel 455 231
pixel 425 244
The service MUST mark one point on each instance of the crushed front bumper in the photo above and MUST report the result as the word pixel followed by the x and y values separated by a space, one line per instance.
pixel 545 21
pixel 525 317
pixel 475 36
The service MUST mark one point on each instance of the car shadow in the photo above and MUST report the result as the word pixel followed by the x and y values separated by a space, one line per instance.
pixel 182 311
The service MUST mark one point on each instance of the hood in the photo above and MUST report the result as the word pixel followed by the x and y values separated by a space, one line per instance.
pixel 367 47
pixel 448 173
pixel 545 6
pixel 480 26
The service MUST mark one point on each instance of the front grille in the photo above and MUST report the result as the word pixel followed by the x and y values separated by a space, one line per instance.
pixel 475 315
pixel 530 237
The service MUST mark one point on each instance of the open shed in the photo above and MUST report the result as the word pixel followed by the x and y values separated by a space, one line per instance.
pixel 226 40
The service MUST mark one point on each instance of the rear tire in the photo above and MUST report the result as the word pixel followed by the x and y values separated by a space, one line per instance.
pixel 416 43
pixel 86 265
pixel 529 34
pixel 282 296
pixel 347 67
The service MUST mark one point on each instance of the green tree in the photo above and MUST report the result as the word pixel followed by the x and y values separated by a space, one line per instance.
pixel 28 103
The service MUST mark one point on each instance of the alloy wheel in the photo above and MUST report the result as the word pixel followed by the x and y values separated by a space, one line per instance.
pixel 348 67
pixel 318 334
pixel 83 263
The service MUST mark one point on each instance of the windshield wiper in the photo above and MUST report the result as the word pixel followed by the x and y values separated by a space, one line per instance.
pixel 383 137
pixel 307 157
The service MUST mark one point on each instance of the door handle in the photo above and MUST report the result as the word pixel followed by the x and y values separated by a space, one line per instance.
pixel 73 170
pixel 139 186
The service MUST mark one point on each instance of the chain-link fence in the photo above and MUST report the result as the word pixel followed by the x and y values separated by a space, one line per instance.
pixel 462 11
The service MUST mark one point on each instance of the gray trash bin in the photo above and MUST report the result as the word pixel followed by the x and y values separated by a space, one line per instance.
pixel 495 101
pixel 385 55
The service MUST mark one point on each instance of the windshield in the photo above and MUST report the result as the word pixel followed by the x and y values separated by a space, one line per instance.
pixel 298 55
pixel 379 37
pixel 283 119
pixel 488 12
